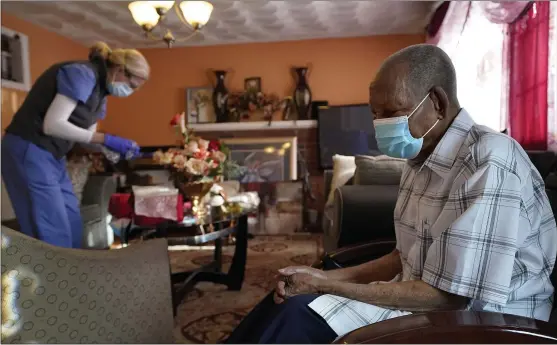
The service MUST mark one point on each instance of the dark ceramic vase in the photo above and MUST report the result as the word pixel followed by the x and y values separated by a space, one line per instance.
pixel 220 97
pixel 302 94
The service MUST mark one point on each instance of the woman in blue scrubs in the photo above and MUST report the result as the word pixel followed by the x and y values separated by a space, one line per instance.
pixel 61 109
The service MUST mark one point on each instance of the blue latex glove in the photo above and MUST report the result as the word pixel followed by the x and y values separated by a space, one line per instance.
pixel 128 149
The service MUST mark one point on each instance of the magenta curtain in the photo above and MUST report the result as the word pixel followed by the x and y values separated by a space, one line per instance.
pixel 528 51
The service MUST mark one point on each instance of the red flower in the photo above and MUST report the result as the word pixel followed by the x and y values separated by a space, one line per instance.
pixel 214 145
pixel 175 120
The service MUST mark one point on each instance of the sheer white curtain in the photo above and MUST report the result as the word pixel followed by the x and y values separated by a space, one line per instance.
pixel 476 47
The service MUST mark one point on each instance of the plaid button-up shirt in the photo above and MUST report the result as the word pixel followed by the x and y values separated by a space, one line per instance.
pixel 473 220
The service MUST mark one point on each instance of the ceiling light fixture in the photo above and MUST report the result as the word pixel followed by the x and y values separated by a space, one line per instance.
pixel 150 14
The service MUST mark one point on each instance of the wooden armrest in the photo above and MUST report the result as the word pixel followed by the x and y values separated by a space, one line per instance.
pixel 454 327
pixel 355 255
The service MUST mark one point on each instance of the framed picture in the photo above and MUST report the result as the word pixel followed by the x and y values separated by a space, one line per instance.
pixel 264 159
pixel 199 105
pixel 15 60
pixel 252 84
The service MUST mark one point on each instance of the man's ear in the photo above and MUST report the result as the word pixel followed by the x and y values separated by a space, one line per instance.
pixel 440 101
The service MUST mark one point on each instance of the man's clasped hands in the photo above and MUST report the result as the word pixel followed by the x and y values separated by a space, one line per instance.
pixel 298 280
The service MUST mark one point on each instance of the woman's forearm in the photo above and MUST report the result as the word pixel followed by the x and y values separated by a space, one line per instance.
pixel 383 269
pixel 97 138
pixel 56 122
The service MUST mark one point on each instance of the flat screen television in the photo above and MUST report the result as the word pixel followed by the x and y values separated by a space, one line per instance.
pixel 345 130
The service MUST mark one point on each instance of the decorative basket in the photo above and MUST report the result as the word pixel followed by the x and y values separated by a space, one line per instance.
pixel 190 189
pixel 193 190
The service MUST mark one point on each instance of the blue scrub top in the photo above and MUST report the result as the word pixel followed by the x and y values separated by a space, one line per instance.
pixel 77 81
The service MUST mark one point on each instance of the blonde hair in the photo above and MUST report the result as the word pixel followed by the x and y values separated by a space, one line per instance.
pixel 132 60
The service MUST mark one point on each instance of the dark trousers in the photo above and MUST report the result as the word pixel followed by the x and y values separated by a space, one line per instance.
pixel 291 322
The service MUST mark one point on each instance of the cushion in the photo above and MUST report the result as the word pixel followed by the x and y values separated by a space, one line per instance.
pixel 343 170
pixel 78 170
pixel 380 170
pixel 91 213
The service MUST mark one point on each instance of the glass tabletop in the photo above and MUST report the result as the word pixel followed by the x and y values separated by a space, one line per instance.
pixel 194 230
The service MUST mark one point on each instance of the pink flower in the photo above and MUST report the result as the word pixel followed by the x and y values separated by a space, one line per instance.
pixel 163 157
pixel 203 144
pixel 157 156
pixel 196 166
pixel 218 156
pixel 192 147
pixel 179 161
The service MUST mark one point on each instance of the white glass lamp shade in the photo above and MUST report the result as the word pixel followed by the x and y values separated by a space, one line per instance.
pixel 196 13
pixel 144 13
pixel 165 5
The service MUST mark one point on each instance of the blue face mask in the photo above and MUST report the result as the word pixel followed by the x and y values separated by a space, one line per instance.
pixel 394 138
pixel 119 89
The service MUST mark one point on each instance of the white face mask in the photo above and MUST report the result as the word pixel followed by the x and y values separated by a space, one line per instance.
pixel 119 89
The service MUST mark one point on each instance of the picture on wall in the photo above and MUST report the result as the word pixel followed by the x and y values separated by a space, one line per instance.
pixel 199 105
pixel 269 167
pixel 264 159
pixel 252 85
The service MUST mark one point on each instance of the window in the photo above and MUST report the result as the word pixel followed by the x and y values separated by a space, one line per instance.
pixel 478 60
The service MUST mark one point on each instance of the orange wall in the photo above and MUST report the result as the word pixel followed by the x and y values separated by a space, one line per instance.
pixel 45 49
pixel 341 72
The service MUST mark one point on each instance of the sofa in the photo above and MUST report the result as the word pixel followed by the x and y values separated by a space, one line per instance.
pixel 94 211
pixel 364 213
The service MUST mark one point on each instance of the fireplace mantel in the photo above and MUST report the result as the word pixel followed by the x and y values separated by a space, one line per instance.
pixel 252 126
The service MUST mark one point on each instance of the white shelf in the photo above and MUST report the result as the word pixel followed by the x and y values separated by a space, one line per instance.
pixel 252 126
pixel 20 61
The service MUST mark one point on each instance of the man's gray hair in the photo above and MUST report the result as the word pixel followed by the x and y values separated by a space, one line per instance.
pixel 425 66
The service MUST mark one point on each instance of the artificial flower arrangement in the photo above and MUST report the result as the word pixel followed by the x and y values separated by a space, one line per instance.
pixel 241 104
pixel 196 160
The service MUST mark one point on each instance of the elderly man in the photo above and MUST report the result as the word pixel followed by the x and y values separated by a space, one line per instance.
pixel 473 224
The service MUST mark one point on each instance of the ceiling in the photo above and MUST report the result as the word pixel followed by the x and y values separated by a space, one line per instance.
pixel 231 21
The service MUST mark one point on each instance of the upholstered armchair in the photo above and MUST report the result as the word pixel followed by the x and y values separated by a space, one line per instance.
pixel 58 295
pixel 439 327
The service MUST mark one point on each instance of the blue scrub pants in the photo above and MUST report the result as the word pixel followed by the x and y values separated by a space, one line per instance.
pixel 41 193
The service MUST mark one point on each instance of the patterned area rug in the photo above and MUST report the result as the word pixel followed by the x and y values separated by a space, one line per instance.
pixel 211 312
